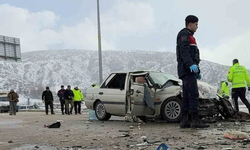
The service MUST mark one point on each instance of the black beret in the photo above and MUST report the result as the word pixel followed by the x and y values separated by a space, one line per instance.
pixel 191 18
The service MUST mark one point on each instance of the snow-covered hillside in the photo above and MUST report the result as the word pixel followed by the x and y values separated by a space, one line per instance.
pixel 80 68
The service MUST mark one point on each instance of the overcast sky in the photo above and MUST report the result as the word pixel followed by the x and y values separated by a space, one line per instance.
pixel 223 33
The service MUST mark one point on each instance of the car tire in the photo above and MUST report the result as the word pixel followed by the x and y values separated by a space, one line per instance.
pixel 1 110
pixel 171 110
pixel 101 112
pixel 226 109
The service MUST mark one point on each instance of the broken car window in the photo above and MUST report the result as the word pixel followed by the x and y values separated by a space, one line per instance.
pixel 161 78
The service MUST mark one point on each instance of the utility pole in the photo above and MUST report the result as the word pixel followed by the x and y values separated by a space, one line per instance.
pixel 99 43
pixel 28 100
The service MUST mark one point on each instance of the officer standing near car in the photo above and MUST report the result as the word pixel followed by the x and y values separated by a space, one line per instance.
pixel 188 59
pixel 239 77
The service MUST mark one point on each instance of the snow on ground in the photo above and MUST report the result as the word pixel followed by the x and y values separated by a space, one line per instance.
pixel 24 101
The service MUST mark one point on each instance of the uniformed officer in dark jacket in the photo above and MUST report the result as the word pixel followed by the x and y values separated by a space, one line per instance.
pixel 47 96
pixel 188 59
pixel 60 94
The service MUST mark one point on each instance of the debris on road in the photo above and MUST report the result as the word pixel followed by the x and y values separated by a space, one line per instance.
pixel 88 122
pixel 223 142
pixel 244 142
pixel 229 148
pixel 53 125
pixel 236 135
pixel 123 130
pixel 124 135
pixel 10 141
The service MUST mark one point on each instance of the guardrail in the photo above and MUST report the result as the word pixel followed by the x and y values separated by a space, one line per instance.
pixel 31 110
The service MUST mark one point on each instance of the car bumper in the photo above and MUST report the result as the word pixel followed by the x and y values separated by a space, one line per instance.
pixel 89 104
pixel 208 110
pixel 5 108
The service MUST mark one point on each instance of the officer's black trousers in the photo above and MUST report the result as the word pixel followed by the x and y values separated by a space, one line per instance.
pixel 190 94
pixel 47 104
pixel 240 93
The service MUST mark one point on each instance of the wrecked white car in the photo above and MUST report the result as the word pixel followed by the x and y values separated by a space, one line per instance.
pixel 148 94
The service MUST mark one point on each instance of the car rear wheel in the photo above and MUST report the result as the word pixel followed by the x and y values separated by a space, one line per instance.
pixel 171 110
pixel 101 112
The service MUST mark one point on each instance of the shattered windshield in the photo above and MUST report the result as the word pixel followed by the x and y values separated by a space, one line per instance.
pixel 161 78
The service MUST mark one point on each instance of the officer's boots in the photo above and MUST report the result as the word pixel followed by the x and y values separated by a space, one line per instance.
pixel 185 120
pixel 52 112
pixel 196 122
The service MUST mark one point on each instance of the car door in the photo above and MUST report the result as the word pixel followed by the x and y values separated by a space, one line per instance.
pixel 114 98
pixel 141 103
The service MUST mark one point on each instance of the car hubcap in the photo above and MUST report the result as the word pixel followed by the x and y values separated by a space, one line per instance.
pixel 100 110
pixel 172 110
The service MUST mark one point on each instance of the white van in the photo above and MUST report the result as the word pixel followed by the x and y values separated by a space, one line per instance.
pixel 4 103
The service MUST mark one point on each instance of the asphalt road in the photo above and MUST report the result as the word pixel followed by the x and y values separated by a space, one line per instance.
pixel 26 131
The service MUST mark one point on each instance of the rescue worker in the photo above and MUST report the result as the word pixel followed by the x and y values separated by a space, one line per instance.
pixel 13 99
pixel 188 59
pixel 60 94
pixel 224 89
pixel 68 95
pixel 78 98
pixel 47 97
pixel 238 75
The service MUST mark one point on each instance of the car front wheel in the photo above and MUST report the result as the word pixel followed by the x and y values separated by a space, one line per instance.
pixel 101 112
pixel 171 110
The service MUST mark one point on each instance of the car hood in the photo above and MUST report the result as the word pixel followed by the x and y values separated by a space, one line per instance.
pixel 206 91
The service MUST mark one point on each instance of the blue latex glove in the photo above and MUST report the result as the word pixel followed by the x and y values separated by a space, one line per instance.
pixel 194 68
